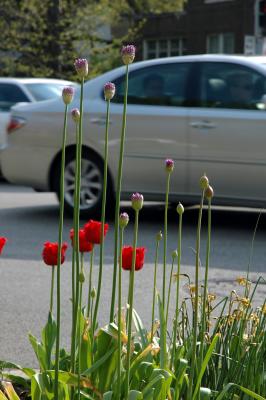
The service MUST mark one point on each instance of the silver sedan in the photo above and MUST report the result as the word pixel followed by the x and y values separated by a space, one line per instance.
pixel 206 112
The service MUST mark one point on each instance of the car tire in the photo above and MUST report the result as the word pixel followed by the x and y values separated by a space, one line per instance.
pixel 91 190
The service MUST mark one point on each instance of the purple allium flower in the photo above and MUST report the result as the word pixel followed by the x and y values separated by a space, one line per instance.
pixel 137 201
pixel 123 220
pixel 81 66
pixel 128 53
pixel 67 94
pixel 75 114
pixel 109 90
pixel 169 164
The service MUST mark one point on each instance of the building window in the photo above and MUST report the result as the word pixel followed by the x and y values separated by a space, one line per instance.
pixel 220 43
pixel 163 48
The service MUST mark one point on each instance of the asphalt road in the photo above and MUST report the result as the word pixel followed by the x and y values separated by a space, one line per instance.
pixel 28 219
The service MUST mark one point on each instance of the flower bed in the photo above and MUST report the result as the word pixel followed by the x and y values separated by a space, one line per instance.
pixel 209 350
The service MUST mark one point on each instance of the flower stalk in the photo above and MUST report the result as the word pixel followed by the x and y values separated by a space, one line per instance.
pixel 208 195
pixel 180 211
pixel 128 54
pixel 169 166
pixel 60 239
pixel 108 94
pixel 158 239
pixel 204 182
pixel 123 223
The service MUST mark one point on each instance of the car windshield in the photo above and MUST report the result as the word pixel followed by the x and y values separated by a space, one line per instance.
pixel 45 91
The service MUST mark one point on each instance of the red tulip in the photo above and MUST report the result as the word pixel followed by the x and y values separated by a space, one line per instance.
pixel 127 255
pixel 3 241
pixel 84 245
pixel 49 253
pixel 93 231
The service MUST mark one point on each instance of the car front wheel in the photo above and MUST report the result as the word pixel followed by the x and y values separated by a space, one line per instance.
pixel 91 185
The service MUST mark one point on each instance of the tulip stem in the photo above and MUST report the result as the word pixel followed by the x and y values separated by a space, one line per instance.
pixel 131 300
pixel 102 218
pixel 177 290
pixel 165 237
pixel 118 191
pixel 196 306
pixel 119 314
pixel 52 290
pixel 60 236
pixel 154 287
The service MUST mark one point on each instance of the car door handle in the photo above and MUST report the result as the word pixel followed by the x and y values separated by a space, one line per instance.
pixel 99 121
pixel 202 125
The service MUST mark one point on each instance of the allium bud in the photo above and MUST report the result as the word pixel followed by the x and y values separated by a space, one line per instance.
pixel 75 114
pixel 159 236
pixel 109 90
pixel 67 94
pixel 174 254
pixel 93 293
pixel 81 277
pixel 137 201
pixel 209 193
pixel 123 220
pixel 204 182
pixel 169 165
pixel 180 209
pixel 128 54
pixel 81 66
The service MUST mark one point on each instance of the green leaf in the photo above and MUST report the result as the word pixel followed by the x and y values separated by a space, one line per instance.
pixel 99 362
pixel 10 391
pixel 9 365
pixel 48 339
pixel 205 393
pixel 135 395
pixel 180 374
pixel 2 396
pixel 228 387
pixel 140 329
pixel 204 364
pixel 163 348
pixel 39 352
pixel 85 352
pixel 107 396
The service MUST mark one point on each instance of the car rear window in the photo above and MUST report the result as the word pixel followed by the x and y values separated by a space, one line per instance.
pixel 45 91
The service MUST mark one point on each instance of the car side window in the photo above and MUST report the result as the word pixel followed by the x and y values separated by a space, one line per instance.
pixel 10 94
pixel 157 85
pixel 229 85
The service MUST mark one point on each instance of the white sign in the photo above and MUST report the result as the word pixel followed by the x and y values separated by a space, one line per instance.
pixel 249 45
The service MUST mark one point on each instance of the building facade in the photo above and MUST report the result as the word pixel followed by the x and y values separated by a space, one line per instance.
pixel 204 26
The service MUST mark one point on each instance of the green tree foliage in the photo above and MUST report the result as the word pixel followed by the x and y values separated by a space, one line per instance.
pixel 42 38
